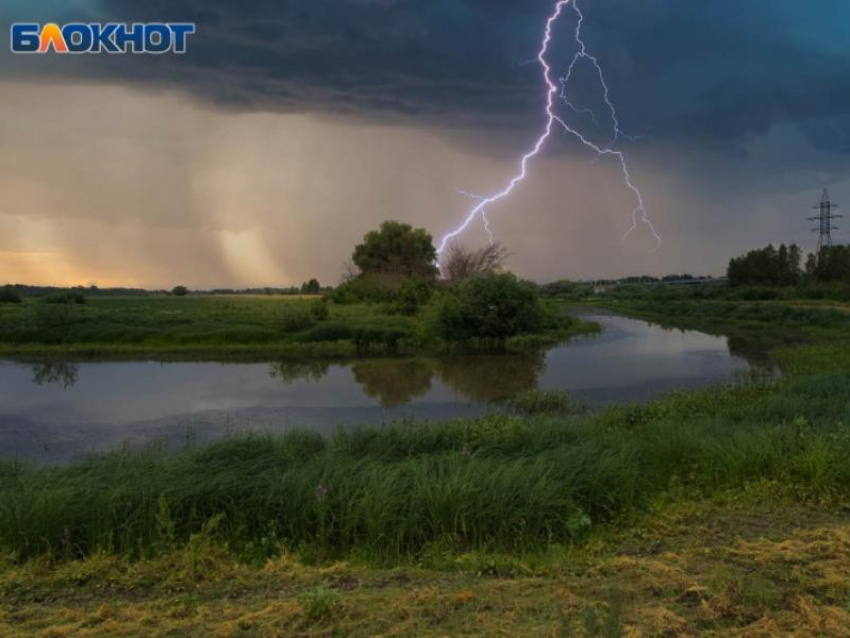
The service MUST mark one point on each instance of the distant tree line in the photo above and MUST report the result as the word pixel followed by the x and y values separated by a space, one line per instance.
pixel 781 266
pixel 648 279
pixel 43 291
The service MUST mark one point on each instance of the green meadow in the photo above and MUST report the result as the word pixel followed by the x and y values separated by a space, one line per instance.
pixel 232 326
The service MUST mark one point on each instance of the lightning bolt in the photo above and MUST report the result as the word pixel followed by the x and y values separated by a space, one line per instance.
pixel 639 214
pixel 583 54
pixel 483 213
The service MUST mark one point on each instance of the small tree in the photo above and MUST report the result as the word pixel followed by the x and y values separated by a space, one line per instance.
pixel 179 291
pixel 461 263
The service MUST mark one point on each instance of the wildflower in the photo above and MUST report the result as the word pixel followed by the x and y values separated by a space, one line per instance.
pixel 321 493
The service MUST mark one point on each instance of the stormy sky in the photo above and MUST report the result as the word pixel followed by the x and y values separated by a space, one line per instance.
pixel 292 127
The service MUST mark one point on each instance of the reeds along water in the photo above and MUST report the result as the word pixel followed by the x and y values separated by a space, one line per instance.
pixel 502 482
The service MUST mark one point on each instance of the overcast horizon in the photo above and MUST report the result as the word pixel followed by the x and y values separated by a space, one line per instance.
pixel 290 129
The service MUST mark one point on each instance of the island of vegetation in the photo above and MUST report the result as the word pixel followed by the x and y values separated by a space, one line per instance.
pixel 391 302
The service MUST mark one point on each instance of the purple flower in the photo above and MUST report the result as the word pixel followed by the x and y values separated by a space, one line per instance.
pixel 321 493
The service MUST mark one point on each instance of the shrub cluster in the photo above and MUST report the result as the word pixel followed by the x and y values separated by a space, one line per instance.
pixel 298 320
pixel 491 307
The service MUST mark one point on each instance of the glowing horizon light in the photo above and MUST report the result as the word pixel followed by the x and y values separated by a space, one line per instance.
pixel 639 213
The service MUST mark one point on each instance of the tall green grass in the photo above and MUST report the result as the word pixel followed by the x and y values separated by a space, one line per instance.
pixel 501 482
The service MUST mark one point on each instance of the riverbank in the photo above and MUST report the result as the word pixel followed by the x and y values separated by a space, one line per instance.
pixel 719 511
pixel 237 328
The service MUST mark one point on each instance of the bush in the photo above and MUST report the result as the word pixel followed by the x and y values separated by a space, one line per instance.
pixel 319 310
pixel 329 331
pixel 179 291
pixel 8 294
pixel 298 320
pixel 67 298
pixel 491 306
pixel 379 335
pixel 412 295
pixel 367 289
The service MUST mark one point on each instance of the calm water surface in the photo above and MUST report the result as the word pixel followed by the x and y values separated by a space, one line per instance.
pixel 54 412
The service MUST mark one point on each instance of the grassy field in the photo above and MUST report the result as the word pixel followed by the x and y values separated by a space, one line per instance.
pixel 741 564
pixel 198 326
pixel 718 512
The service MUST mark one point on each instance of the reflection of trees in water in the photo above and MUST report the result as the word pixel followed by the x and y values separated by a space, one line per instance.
pixel 292 371
pixel 394 382
pixel 55 372
pixel 492 377
pixel 753 346
pixel 755 350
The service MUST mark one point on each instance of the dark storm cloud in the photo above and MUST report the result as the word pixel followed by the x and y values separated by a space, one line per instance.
pixel 711 75
pixel 104 162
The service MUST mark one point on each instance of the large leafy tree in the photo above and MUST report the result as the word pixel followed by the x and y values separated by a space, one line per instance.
pixel 397 249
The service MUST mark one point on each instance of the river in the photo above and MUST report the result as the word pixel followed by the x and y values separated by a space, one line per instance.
pixel 56 411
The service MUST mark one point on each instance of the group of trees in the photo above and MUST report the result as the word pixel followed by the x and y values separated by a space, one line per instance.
pixel 832 264
pixel 766 267
pixel 781 267
pixel 397 265
pixel 398 251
